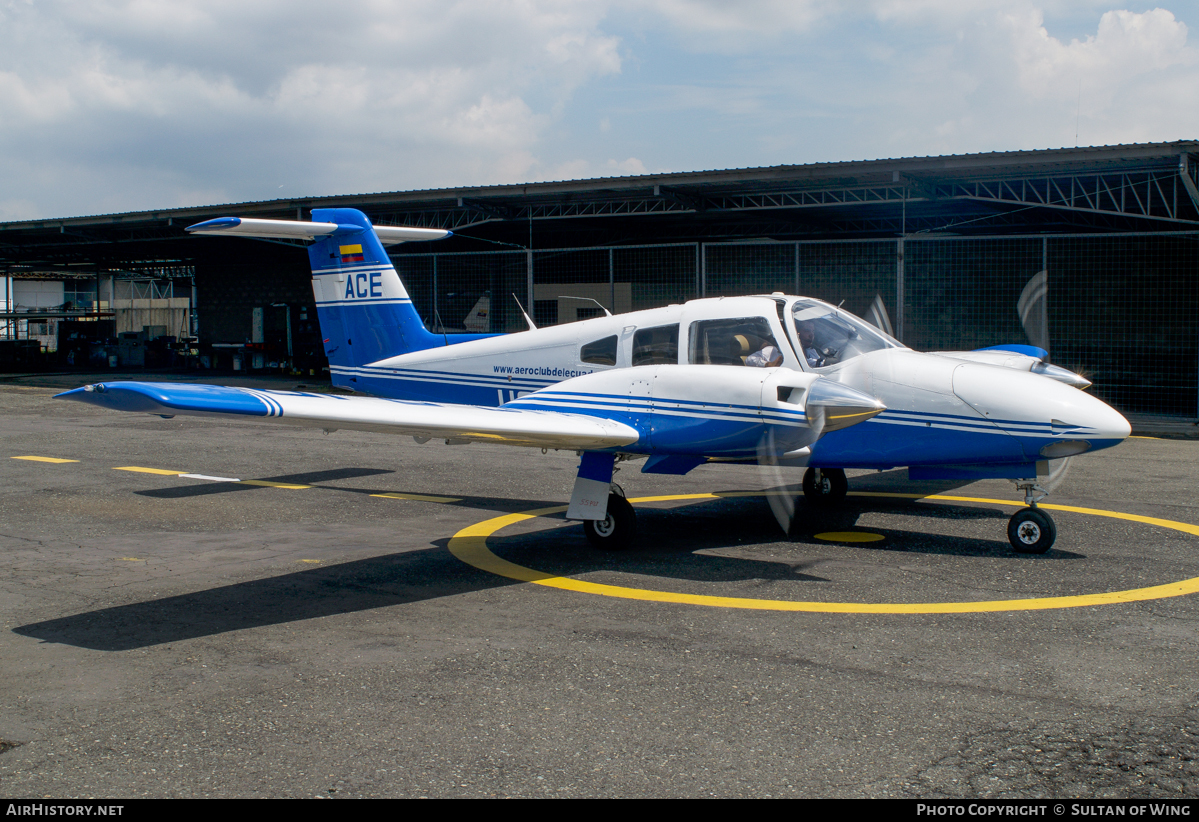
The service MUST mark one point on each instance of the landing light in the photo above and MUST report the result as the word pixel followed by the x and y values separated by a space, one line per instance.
pixel 1066 448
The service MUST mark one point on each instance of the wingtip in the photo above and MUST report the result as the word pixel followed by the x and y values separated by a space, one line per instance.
pixel 215 225
pixel 77 393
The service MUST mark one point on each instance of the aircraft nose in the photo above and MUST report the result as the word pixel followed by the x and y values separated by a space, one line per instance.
pixel 1052 419
pixel 1106 421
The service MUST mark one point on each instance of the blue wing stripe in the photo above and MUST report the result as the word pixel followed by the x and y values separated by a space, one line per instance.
pixel 160 398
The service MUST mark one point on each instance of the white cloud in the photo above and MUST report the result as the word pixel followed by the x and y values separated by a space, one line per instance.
pixel 755 16
pixel 254 93
pixel 134 104
pixel 992 76
pixel 1126 46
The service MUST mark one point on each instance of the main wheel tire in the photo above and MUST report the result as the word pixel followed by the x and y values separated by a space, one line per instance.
pixel 1031 531
pixel 831 489
pixel 614 532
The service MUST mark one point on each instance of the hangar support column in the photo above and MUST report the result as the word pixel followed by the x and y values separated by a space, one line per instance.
pixel 899 289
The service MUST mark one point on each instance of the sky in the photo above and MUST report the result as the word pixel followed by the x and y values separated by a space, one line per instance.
pixel 129 105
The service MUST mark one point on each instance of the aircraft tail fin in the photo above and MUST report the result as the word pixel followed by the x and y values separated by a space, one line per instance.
pixel 364 310
pixel 365 313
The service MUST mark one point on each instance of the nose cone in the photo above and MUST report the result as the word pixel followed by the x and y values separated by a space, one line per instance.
pixel 1050 418
pixel 831 406
pixel 1107 422
pixel 1056 372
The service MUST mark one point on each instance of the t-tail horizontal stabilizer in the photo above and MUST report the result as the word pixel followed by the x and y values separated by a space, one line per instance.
pixel 298 230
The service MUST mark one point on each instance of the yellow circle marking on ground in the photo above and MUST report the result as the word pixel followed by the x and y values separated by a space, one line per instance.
pixel 849 536
pixel 470 546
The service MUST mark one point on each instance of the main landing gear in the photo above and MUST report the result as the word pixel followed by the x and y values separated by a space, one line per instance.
pixel 614 532
pixel 1030 530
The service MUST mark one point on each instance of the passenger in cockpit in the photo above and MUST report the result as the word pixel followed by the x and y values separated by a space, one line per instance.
pixel 768 356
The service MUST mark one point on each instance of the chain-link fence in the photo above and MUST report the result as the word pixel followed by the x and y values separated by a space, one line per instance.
pixel 1121 309
pixel 478 291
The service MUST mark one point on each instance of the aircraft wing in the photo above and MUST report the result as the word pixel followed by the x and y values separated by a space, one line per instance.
pixel 454 423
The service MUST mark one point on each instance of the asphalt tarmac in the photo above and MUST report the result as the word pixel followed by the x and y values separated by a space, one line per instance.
pixel 309 630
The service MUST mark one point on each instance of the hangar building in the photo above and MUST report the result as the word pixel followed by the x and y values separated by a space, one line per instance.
pixel 1090 253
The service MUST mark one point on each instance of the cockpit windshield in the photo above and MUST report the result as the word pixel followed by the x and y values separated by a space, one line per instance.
pixel 828 336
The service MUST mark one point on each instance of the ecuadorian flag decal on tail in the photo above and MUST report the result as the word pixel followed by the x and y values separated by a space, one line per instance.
pixel 351 253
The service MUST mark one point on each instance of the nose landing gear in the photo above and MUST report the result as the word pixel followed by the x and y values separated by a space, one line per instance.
pixel 825 486
pixel 1030 530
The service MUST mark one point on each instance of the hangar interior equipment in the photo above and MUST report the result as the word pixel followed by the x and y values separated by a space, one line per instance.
pixel 1090 253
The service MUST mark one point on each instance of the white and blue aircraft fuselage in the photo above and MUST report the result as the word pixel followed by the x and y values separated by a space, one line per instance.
pixel 772 379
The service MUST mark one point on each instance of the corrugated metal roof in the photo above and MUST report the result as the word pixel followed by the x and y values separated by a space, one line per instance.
pixel 958 165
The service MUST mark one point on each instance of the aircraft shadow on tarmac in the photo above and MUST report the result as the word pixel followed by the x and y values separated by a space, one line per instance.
pixel 726 539
pixel 737 538
pixel 315 478
pixel 308 478
pixel 348 587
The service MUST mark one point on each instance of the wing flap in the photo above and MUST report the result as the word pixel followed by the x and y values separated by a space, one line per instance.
pixel 460 423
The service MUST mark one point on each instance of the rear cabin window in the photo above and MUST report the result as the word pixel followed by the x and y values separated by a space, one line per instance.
pixel 656 346
pixel 729 342
pixel 600 352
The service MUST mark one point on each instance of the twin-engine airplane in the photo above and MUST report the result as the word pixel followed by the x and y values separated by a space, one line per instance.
pixel 773 380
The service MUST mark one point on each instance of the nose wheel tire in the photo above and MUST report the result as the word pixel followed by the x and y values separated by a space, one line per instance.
pixel 1031 531
pixel 830 489
pixel 614 532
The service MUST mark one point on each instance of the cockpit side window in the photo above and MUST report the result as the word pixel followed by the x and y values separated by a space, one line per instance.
pixel 741 341
pixel 600 352
pixel 828 336
pixel 656 346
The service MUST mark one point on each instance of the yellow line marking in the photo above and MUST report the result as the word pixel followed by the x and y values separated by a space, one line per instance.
pixel 166 473
pixel 43 459
pixel 130 559
pixel 1140 437
pixel 311 561
pixel 470 546
pixel 420 497
pixel 141 470
pixel 849 536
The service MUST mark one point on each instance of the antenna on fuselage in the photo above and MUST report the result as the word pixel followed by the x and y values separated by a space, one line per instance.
pixel 524 314
pixel 586 299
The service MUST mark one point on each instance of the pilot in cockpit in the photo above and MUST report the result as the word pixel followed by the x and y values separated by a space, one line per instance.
pixel 807 341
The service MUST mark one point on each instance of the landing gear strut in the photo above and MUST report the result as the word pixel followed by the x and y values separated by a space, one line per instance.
pixel 1030 530
pixel 614 532
pixel 825 486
